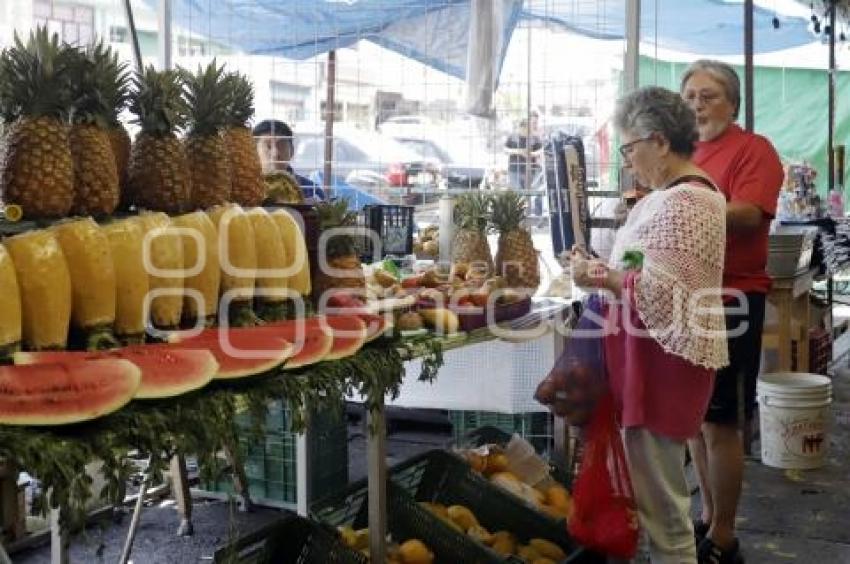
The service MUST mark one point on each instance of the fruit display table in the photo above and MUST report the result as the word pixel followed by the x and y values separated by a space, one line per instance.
pixel 200 423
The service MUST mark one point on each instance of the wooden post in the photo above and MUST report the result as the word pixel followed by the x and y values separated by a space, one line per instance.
pixel 376 457
pixel 182 495
pixel 240 480
pixel 330 108
pixel 59 542
pixel 12 510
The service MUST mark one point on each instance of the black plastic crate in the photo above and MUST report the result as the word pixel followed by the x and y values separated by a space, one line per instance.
pixel 405 520
pixel 289 540
pixel 441 477
pixel 393 226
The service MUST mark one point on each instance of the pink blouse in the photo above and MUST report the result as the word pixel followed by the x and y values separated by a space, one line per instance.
pixel 652 388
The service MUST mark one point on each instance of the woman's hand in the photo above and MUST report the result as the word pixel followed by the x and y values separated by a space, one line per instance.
pixel 590 272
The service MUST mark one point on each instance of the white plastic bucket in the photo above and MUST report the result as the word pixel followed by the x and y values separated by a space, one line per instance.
pixel 794 418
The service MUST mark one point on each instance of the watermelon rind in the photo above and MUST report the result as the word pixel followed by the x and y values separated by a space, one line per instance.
pixel 165 373
pixel 62 394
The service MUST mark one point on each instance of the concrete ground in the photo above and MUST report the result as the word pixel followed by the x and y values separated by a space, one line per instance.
pixel 785 516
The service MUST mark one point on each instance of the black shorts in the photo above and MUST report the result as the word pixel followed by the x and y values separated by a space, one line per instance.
pixel 743 369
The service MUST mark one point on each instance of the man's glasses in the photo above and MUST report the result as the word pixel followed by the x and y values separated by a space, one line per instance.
pixel 626 148
pixel 704 98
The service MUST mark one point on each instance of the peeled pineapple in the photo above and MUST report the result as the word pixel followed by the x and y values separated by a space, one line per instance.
pixel 126 239
pixel 238 259
pixel 298 263
pixel 271 265
pixel 200 251
pixel 164 253
pixel 89 258
pixel 45 289
pixel 10 306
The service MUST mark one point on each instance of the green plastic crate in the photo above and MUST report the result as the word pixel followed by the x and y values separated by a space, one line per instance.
pixel 270 463
pixel 440 477
pixel 405 520
pixel 290 539
pixel 536 428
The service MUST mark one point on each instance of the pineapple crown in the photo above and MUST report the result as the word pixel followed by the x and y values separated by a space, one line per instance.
pixel 508 211
pixel 157 101
pixel 96 91
pixel 35 77
pixel 208 98
pixel 472 211
pixel 336 214
pixel 114 79
pixel 241 96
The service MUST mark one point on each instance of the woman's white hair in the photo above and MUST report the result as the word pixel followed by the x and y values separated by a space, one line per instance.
pixel 653 109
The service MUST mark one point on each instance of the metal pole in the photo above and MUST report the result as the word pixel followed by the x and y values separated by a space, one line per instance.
pixel 58 537
pixel 165 38
pixel 329 122
pixel 526 181
pixel 749 115
pixel 134 523
pixel 631 73
pixel 134 36
pixel 376 459
pixel 831 78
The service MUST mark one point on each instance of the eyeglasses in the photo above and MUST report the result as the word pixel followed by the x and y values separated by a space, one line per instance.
pixel 704 98
pixel 626 148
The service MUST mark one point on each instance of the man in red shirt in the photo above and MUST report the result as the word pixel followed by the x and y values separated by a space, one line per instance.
pixel 748 171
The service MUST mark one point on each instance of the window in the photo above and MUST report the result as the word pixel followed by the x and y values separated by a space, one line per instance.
pixel 73 22
pixel 117 34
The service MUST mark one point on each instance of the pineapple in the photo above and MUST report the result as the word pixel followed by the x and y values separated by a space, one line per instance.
pixel 238 258
pixel 164 253
pixel 115 89
pixel 297 261
pixel 209 170
pixel 272 263
pixel 45 288
pixel 282 188
pixel 95 173
pixel 470 244
pixel 200 254
pixel 516 257
pixel 158 174
pixel 343 268
pixel 126 241
pixel 247 187
pixel 93 290
pixel 10 307
pixel 37 171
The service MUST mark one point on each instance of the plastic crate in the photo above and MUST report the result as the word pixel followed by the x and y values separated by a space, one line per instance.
pixel 393 226
pixel 440 477
pixel 290 539
pixel 270 463
pixel 405 520
pixel 536 427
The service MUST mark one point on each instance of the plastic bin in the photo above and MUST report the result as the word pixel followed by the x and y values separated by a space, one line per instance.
pixel 291 539
pixel 440 477
pixel 394 227
pixel 536 427
pixel 270 462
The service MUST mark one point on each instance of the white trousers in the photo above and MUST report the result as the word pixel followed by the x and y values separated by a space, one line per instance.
pixel 657 470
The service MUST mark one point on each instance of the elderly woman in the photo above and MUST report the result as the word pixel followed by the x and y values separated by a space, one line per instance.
pixel 665 273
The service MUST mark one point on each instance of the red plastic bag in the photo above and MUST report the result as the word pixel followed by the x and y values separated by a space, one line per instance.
pixel 578 379
pixel 604 515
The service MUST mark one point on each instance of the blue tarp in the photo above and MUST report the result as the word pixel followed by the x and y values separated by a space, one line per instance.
pixel 435 32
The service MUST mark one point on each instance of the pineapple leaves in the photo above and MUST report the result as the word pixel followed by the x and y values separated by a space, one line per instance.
pixel 207 94
pixel 157 102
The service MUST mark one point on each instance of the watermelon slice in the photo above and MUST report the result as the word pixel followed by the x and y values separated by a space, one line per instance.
pixel 376 325
pixel 59 394
pixel 165 373
pixel 349 332
pixel 240 352
pixel 310 344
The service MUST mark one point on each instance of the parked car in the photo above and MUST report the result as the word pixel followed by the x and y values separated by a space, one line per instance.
pixel 456 175
pixel 406 126
pixel 367 160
